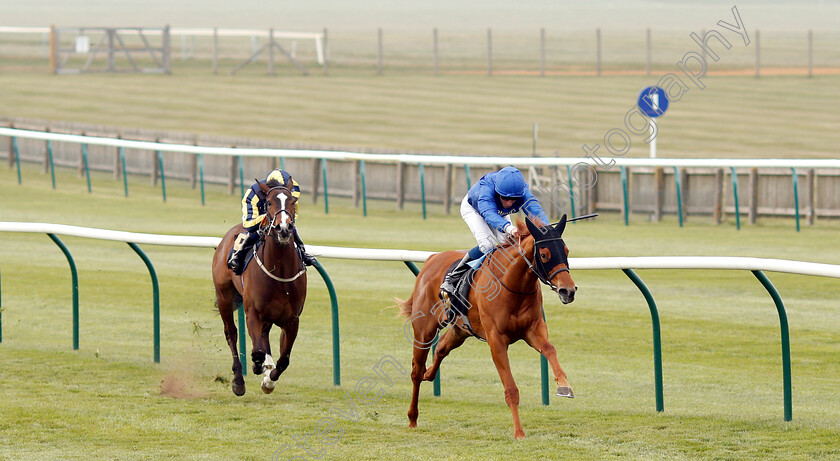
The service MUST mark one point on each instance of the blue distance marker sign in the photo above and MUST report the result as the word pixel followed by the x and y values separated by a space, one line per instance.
pixel 653 101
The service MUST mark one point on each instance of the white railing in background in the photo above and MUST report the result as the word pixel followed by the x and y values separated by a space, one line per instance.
pixel 424 159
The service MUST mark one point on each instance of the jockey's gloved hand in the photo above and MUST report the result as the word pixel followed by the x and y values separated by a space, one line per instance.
pixel 512 232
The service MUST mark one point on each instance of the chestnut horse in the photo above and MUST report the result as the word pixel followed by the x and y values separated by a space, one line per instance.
pixel 272 289
pixel 506 305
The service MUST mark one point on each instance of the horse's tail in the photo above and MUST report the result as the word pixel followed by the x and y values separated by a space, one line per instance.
pixel 405 306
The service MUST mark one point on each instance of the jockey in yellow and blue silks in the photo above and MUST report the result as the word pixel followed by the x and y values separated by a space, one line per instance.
pixel 253 213
pixel 486 209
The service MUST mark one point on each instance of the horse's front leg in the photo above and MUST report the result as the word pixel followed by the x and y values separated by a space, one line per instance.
pixel 537 338
pixel 287 340
pixel 499 350
pixel 268 364
pixel 255 330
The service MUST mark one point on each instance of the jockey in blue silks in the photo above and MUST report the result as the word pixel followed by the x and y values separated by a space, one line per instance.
pixel 486 209
pixel 253 214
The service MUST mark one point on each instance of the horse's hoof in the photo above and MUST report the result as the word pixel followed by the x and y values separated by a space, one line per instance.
pixel 238 389
pixel 266 389
pixel 565 391
pixel 412 424
pixel 519 436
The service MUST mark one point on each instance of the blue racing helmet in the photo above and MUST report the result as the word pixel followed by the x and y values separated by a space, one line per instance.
pixel 510 183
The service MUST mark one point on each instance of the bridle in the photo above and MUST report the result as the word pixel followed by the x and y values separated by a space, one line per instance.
pixel 272 223
pixel 270 227
pixel 537 266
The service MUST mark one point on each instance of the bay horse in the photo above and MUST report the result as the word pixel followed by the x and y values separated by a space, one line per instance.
pixel 272 289
pixel 506 305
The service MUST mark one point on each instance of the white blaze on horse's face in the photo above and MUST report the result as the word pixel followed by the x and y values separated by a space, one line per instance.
pixel 285 216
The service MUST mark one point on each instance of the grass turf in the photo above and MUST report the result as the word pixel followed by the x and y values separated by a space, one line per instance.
pixel 721 352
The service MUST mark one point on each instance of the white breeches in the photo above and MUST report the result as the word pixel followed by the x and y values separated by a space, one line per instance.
pixel 487 237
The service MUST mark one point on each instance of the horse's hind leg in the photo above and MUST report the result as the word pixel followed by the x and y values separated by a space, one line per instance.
pixel 224 301
pixel 287 340
pixel 425 329
pixel 538 339
pixel 452 339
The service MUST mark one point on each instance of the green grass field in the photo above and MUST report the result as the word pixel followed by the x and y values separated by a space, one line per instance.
pixel 720 335
pixel 782 116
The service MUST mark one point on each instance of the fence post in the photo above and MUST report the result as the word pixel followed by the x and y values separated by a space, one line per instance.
pixel 796 196
pixel 155 299
pixel 435 48
pixel 753 195
pixel 467 174
pixel 271 51
pixel 735 193
pixel 16 153
pixel 326 192
pixel 243 355
pixel 489 52
pixel 201 175
pixel 626 208
pixel 783 326
pixel 241 177
pixel 423 188
pixel 124 175
pixel 74 276
pixel 447 190
pixel 162 175
pixel 810 53
pixel 356 183
pixel 598 51
pixel 400 185
pixel 659 179
pixel 334 313
pixel 811 179
pixel 52 165
pixel 657 341
pixel 379 52
pixel 571 189
pixel 85 162
pixel 647 62
pixel 316 179
pixel 678 186
pixel 326 53
pixel 757 54
pixel 718 213
pixel 364 191
pixel 542 52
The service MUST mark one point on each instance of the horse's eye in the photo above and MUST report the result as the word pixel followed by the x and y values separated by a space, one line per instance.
pixel 545 255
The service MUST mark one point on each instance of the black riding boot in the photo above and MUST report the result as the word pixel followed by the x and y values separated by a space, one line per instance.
pixel 307 258
pixel 243 244
pixel 453 276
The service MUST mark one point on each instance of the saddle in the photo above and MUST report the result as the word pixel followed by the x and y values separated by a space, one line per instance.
pixel 459 302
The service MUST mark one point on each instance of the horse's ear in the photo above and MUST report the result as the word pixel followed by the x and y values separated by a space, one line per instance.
pixel 561 226
pixel 263 186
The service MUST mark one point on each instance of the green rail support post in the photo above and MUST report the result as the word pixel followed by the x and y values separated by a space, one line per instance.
pixel 162 174
pixel 52 165
pixel 364 190
pixel 75 281
pixel 326 192
pixel 282 163
pixel 335 333
pixel 423 189
pixel 201 176
pixel 467 173
pixel 414 269
pixel 155 299
pixel 125 176
pixel 657 341
pixel 571 194
pixel 624 189
pixel 544 372
pixel 243 356
pixel 735 191
pixel 241 178
pixel 87 169
pixel 679 194
pixel 16 153
pixel 796 196
pixel 783 325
